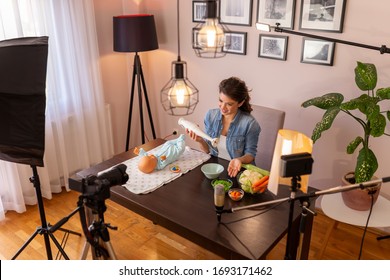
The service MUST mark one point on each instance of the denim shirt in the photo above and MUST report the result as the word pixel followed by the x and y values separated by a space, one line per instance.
pixel 242 136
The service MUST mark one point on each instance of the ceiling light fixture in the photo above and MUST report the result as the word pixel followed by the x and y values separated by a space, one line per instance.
pixel 210 40
pixel 179 96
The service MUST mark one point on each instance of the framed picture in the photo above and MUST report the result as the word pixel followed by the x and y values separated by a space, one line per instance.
pixel 236 12
pixel 235 42
pixel 276 11
pixel 198 11
pixel 195 43
pixel 325 15
pixel 273 46
pixel 317 51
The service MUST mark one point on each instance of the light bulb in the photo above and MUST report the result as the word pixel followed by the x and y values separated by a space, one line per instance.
pixel 179 94
pixel 211 35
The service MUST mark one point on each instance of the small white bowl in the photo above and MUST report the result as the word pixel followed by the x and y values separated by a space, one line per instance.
pixel 212 170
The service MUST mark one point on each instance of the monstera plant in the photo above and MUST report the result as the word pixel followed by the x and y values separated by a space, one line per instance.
pixel 365 109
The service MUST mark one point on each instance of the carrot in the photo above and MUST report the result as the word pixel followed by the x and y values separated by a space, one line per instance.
pixel 260 181
pixel 261 188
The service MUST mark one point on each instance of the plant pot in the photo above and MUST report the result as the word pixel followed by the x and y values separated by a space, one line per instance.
pixel 358 199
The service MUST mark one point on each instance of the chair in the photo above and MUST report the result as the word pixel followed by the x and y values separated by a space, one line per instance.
pixel 270 120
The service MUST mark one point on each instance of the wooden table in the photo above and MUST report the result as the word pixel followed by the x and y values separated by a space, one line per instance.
pixel 186 207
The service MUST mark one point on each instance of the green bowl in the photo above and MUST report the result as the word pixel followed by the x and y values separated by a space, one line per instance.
pixel 227 183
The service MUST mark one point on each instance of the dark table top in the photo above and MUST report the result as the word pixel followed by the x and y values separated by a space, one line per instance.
pixel 186 206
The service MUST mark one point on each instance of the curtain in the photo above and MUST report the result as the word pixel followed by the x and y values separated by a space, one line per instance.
pixel 78 133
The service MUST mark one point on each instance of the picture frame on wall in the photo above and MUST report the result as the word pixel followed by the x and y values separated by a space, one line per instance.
pixel 199 11
pixel 322 15
pixel 235 12
pixel 195 42
pixel 273 46
pixel 276 11
pixel 235 42
pixel 316 51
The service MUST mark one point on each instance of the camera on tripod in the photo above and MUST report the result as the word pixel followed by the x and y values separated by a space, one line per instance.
pixel 95 189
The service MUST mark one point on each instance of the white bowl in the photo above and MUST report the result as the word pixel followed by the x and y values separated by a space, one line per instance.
pixel 212 170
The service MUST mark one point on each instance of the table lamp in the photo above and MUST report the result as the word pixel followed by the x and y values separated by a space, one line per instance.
pixel 136 33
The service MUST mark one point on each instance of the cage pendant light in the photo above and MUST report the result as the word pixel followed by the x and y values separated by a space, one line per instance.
pixel 210 39
pixel 179 96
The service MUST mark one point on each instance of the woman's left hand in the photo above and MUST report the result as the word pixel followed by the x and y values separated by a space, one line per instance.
pixel 234 167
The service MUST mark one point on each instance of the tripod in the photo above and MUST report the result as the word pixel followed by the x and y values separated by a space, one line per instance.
pixel 295 244
pixel 45 229
pixel 139 77
pixel 305 205
pixel 97 235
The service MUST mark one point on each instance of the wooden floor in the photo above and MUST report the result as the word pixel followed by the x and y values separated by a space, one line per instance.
pixel 138 238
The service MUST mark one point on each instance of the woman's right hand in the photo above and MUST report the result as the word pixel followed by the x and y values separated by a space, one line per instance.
pixel 193 136
pixel 203 145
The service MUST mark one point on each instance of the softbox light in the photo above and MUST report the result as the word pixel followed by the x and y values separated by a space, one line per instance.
pixel 23 65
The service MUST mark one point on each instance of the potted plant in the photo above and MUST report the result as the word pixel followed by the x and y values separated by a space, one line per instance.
pixel 365 110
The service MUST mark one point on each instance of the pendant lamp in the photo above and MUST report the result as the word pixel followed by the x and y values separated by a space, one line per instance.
pixel 179 96
pixel 210 39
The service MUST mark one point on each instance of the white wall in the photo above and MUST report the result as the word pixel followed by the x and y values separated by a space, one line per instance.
pixel 278 84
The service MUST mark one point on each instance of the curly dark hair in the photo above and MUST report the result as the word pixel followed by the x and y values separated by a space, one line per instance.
pixel 237 90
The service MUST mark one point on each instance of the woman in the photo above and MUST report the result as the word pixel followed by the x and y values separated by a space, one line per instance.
pixel 237 130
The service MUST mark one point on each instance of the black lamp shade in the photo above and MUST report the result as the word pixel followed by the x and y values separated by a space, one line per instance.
pixel 135 33
pixel 22 99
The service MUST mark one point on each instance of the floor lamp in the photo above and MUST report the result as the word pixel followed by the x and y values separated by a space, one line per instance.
pixel 22 117
pixel 136 33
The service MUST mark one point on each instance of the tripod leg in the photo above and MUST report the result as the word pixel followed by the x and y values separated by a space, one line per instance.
pixel 102 251
pixel 68 231
pixel 147 101
pixel 58 245
pixel 131 105
pixel 141 114
pixel 290 254
pixel 383 237
pixel 110 250
pixel 63 244
pixel 85 251
pixel 25 244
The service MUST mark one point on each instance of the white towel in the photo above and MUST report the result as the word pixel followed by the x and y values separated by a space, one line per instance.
pixel 141 183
